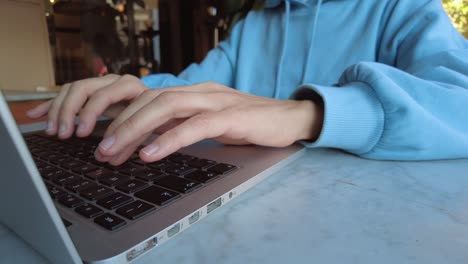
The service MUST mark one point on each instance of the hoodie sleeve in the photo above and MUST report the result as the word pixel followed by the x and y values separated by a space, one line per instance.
pixel 218 66
pixel 415 109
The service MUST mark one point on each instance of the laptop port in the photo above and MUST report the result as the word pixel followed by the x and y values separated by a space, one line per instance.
pixel 213 205
pixel 174 230
pixel 193 218
pixel 137 251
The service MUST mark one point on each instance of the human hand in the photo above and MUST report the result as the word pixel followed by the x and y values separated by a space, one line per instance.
pixel 89 99
pixel 188 114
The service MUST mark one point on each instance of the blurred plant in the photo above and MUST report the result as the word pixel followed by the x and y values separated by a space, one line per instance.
pixel 458 13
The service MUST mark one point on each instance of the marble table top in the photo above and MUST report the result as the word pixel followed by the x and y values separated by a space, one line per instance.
pixel 326 207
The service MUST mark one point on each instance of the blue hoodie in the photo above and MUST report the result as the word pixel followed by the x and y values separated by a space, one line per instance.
pixel 392 74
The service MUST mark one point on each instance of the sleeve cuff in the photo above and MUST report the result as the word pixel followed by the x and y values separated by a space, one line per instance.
pixel 162 80
pixel 353 116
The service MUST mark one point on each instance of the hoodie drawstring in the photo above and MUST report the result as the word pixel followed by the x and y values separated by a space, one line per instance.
pixel 285 44
pixel 309 52
pixel 283 50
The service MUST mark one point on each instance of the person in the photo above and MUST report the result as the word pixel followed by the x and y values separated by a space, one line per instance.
pixel 381 79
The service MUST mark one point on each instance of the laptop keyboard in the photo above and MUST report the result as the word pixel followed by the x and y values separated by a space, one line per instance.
pixel 113 196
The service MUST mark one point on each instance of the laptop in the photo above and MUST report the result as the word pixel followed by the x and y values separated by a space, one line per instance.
pixel 73 209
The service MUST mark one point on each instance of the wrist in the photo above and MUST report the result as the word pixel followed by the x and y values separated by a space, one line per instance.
pixel 310 120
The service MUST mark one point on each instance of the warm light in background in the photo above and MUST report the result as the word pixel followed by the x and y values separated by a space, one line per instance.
pixel 458 12
pixel 120 8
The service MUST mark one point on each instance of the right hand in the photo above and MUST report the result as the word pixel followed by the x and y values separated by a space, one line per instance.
pixel 87 99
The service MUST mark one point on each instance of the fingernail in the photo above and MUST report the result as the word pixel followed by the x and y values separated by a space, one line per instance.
pixel 63 129
pixel 81 128
pixel 107 143
pixel 150 149
pixel 50 126
pixel 31 112
pixel 99 157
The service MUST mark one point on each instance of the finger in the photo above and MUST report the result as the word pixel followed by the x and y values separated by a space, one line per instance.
pixel 169 125
pixel 142 100
pixel 114 110
pixel 126 88
pixel 194 129
pixel 127 152
pixel 54 109
pixel 231 141
pixel 40 110
pixel 78 94
pixel 212 87
pixel 99 157
pixel 149 95
pixel 166 106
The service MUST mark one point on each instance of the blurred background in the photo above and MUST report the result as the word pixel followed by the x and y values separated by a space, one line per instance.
pixel 94 37
pixel 458 12
pixel 52 42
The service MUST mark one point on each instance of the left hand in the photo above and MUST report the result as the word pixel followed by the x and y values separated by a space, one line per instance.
pixel 207 110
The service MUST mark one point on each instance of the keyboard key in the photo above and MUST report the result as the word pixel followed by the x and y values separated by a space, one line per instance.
pixel 130 169
pixel 52 173
pixel 44 154
pixel 66 178
pixel 40 164
pixel 160 164
pixel 89 210
pixel 70 201
pixel 109 221
pixel 99 173
pixel 91 159
pixel 131 186
pixel 35 150
pixel 134 156
pixel 70 164
pixel 181 159
pixel 177 170
pixel 54 191
pixel 31 138
pixel 149 174
pixel 222 168
pixel 202 176
pixel 201 163
pixel 114 200
pixel 81 153
pixel 114 180
pixel 139 162
pixel 173 155
pixel 50 156
pixel 157 195
pixel 135 210
pixel 177 184
pixel 80 184
pixel 95 192
pixel 70 151
pixel 59 159
pixel 45 167
pixel 85 169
